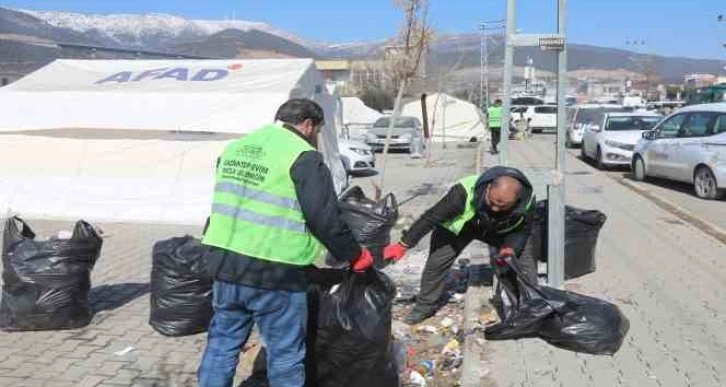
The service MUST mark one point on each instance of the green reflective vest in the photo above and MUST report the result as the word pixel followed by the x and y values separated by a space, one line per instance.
pixel 255 211
pixel 495 116
pixel 457 224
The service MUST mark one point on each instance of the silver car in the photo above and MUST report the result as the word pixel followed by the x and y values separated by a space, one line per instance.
pixel 687 146
pixel 406 131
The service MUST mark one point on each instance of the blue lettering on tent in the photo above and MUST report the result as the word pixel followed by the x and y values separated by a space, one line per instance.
pixel 179 73
pixel 123 76
pixel 149 73
pixel 207 75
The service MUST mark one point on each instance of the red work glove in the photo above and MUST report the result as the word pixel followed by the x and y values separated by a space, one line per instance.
pixel 504 253
pixel 363 262
pixel 394 252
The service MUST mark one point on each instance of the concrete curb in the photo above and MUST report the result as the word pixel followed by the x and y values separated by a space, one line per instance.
pixel 685 215
pixel 471 369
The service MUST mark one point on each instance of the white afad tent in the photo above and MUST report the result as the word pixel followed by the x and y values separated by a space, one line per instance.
pixel 450 118
pixel 357 117
pixel 138 140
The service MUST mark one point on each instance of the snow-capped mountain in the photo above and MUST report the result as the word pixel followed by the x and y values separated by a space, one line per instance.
pixel 152 30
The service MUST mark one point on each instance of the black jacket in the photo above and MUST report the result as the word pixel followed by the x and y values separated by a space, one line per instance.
pixel 319 205
pixel 518 220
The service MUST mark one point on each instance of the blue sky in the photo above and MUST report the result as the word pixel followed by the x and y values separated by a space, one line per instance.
pixel 669 27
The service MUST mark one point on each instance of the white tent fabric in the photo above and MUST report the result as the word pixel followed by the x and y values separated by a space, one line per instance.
pixel 450 118
pixel 357 117
pixel 108 140
pixel 356 112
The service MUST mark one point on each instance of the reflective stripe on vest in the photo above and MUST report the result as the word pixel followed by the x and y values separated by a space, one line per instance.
pixel 255 210
pixel 272 221
pixel 260 196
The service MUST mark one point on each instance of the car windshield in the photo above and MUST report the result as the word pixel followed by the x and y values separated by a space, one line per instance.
pixel 402 122
pixel 631 123
pixel 546 109
pixel 594 115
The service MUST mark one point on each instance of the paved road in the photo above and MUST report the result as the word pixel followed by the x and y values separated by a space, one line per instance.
pixel 711 211
pixel 666 275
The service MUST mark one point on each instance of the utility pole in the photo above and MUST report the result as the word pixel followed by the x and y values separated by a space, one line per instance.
pixel 484 60
pixel 556 237
pixel 511 29
pixel 556 187
pixel 482 105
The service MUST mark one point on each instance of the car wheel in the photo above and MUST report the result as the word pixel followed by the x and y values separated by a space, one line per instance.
pixel 598 160
pixel 583 155
pixel 704 184
pixel 639 169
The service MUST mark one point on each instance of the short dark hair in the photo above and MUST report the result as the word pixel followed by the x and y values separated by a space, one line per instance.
pixel 297 110
pixel 498 101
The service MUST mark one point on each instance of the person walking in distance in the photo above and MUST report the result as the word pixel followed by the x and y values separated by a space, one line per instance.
pixel 274 209
pixel 494 115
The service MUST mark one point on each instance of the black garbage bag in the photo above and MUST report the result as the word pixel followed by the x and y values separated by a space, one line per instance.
pixel 181 287
pixel 349 341
pixel 582 228
pixel 46 283
pixel 564 319
pixel 371 221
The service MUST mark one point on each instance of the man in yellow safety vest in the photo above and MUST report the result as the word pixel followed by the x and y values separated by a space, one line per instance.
pixel 274 210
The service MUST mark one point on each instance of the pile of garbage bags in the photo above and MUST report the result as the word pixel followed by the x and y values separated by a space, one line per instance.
pixel 181 287
pixel 46 283
pixel 371 221
pixel 564 319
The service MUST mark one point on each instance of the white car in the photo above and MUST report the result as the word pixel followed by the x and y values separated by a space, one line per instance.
pixel 356 156
pixel 542 117
pixel 612 140
pixel 580 116
pixel 687 146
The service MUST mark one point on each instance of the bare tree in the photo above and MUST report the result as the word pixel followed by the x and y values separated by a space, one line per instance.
pixel 403 59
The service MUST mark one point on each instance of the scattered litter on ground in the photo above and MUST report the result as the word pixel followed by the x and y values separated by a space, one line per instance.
pixel 125 351
pixel 431 354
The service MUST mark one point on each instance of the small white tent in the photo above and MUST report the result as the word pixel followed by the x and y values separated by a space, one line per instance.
pixel 450 118
pixel 357 117
pixel 120 140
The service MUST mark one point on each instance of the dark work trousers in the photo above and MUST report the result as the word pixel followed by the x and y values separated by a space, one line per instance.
pixel 496 137
pixel 445 248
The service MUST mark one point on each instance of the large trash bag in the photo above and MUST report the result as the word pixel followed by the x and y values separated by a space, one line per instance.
pixel 46 283
pixel 349 341
pixel 353 345
pixel 581 232
pixel 564 319
pixel 371 221
pixel 181 287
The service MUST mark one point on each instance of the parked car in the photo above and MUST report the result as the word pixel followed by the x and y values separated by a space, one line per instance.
pixel 612 140
pixel 579 116
pixel 542 117
pixel 406 131
pixel 356 156
pixel 687 146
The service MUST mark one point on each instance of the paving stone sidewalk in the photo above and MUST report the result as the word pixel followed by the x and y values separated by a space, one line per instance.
pixel 119 348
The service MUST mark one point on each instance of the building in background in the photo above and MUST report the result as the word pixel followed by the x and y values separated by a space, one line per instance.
pixel 700 80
